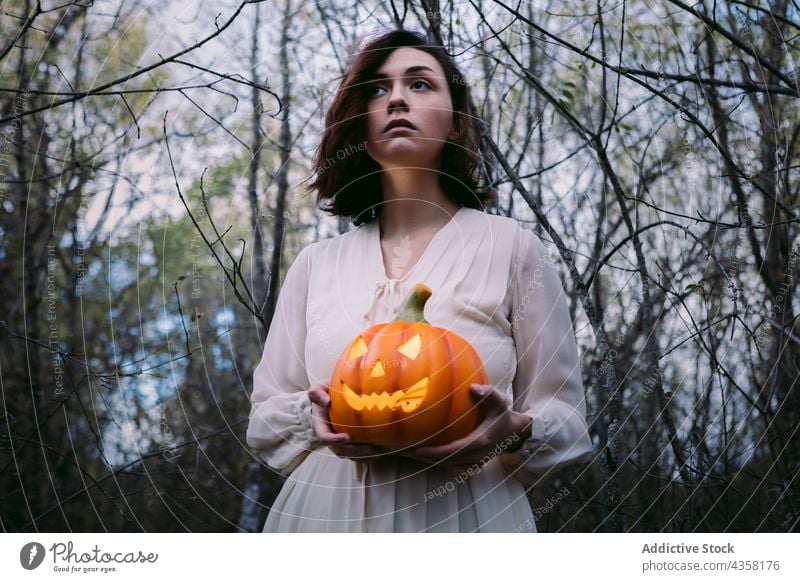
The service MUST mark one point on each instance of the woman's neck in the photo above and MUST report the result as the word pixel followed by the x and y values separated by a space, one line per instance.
pixel 413 201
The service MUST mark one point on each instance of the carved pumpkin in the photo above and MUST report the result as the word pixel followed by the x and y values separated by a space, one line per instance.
pixel 406 383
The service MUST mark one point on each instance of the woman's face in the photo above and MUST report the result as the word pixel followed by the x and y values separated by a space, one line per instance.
pixel 409 86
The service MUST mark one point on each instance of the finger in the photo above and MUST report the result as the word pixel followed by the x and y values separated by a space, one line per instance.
pixel 335 438
pixel 480 389
pixel 319 416
pixel 320 397
pixel 319 387
pixel 318 393
pixel 321 425
pixel 328 437
pixel 460 446
pixel 489 397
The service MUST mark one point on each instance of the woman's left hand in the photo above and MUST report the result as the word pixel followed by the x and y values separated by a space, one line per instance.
pixel 499 423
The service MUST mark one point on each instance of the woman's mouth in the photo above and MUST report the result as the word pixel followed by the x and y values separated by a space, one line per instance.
pixel 399 129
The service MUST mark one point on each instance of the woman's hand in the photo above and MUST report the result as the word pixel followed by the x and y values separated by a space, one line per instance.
pixel 339 442
pixel 499 423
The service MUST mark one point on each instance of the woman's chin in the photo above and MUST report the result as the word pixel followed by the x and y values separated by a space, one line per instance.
pixel 405 155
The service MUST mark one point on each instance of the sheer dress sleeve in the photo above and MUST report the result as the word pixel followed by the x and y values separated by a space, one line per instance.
pixel 547 385
pixel 280 418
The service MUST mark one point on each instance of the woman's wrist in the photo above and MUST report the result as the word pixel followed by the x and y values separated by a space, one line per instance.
pixel 523 427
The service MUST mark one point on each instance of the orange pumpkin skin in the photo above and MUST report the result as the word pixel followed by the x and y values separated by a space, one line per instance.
pixel 406 383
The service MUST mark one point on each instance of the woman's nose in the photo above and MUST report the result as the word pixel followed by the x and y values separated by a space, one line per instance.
pixel 397 99
pixel 398 104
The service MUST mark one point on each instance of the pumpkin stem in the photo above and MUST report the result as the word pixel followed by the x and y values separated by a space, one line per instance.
pixel 415 304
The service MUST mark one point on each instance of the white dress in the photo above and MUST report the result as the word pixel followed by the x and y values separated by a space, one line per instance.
pixel 494 284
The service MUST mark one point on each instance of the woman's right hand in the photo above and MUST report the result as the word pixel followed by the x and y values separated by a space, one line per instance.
pixel 339 442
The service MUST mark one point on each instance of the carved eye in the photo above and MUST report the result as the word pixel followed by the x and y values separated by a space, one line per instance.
pixel 411 348
pixel 359 348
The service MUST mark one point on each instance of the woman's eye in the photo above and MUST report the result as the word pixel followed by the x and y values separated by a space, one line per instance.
pixel 373 90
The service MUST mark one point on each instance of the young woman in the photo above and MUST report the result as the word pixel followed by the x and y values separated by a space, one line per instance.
pixel 399 157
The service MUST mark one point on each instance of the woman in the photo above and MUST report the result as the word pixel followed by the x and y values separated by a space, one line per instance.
pixel 399 157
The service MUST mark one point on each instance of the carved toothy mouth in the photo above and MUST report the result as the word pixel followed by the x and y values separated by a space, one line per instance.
pixel 409 399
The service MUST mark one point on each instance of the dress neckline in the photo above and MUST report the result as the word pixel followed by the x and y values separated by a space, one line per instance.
pixel 375 244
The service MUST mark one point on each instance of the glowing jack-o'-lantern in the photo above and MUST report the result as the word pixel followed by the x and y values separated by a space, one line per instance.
pixel 406 383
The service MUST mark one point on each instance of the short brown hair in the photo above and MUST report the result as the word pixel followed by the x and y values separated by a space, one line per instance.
pixel 347 179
